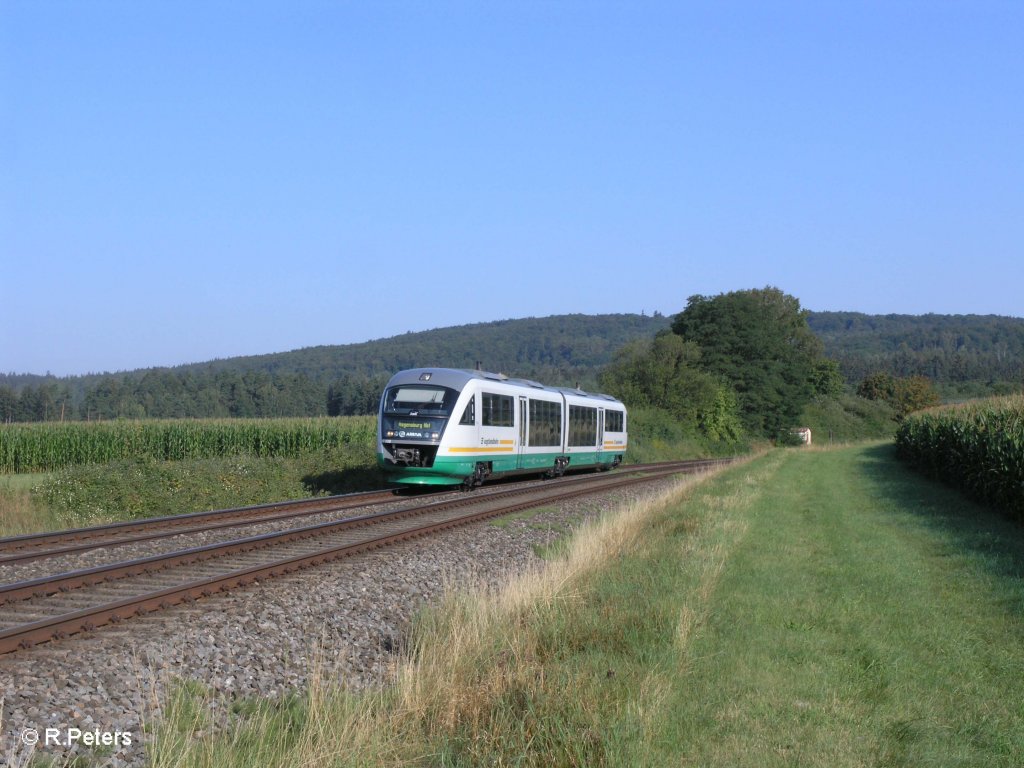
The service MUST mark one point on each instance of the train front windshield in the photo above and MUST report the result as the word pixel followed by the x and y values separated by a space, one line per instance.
pixel 416 412
pixel 418 400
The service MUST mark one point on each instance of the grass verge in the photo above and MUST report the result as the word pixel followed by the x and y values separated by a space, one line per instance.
pixel 20 512
pixel 867 618
pixel 92 494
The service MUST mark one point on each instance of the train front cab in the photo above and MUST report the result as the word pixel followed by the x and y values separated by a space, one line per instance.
pixel 415 415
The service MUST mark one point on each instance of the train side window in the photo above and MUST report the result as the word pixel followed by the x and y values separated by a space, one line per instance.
pixel 545 423
pixel 497 410
pixel 582 425
pixel 613 421
pixel 469 415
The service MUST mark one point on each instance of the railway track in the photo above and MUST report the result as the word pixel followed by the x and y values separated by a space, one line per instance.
pixel 37 546
pixel 55 606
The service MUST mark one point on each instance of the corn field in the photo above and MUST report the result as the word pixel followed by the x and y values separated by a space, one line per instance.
pixel 978 447
pixel 48 446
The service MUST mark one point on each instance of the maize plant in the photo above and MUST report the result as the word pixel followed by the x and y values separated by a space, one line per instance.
pixel 48 446
pixel 978 447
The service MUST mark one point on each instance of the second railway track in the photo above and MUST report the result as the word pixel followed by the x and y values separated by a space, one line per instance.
pixel 52 607
pixel 37 546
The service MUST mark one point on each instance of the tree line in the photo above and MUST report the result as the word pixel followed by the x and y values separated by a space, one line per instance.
pixel 166 394
pixel 987 350
pixel 705 345
pixel 334 380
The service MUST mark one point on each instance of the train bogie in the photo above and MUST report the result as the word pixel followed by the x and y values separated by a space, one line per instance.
pixel 446 427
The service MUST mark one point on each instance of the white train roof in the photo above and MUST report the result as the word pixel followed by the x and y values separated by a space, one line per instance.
pixel 457 378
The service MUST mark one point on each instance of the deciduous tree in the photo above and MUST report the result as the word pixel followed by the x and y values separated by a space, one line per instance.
pixel 759 342
pixel 664 373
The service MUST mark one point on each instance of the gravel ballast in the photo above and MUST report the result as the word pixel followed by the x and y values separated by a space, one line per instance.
pixel 341 621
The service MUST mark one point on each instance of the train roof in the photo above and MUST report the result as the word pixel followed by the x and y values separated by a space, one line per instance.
pixel 457 378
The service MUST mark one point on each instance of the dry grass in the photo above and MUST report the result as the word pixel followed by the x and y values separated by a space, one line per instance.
pixel 481 677
pixel 20 514
pixel 478 684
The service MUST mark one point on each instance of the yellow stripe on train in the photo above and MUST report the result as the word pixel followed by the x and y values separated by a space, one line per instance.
pixel 485 449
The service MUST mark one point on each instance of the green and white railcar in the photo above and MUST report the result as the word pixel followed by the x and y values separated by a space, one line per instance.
pixel 442 426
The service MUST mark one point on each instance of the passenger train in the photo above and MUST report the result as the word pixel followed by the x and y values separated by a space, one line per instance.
pixel 442 426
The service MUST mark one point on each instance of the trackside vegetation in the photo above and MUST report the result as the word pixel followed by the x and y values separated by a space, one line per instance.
pixel 121 490
pixel 809 607
pixel 977 447
pixel 47 446
pixel 297 458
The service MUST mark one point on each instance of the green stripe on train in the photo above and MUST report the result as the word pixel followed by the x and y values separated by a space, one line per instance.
pixel 451 470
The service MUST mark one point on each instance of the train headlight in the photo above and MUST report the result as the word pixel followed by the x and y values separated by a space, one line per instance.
pixel 389 433
pixel 434 435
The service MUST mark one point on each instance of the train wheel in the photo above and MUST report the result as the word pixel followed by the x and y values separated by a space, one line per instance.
pixel 480 473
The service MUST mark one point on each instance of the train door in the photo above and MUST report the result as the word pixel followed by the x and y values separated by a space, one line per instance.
pixel 600 429
pixel 524 429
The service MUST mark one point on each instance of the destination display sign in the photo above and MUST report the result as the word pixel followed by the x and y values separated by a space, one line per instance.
pixel 413 428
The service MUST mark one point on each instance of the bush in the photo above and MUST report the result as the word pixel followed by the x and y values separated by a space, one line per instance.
pixel 848 418
pixel 127 489
pixel 656 435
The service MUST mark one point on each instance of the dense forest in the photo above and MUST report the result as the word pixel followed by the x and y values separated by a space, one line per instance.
pixel 332 380
pixel 962 354
pixel 975 354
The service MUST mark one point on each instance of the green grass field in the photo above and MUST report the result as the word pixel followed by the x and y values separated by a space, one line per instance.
pixel 862 617
pixel 807 608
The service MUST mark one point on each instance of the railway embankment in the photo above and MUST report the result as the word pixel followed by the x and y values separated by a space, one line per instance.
pixel 343 622
pixel 815 607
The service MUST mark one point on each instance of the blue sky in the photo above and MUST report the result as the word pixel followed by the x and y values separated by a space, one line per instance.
pixel 189 180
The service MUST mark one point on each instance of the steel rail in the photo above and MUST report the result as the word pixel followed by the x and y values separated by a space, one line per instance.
pixel 64 582
pixel 236 521
pixel 173 525
pixel 56 627
pixel 323 503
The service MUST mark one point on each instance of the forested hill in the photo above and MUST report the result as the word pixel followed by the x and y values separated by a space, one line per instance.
pixel 949 349
pixel 342 379
pixel 560 349
pixel 963 354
